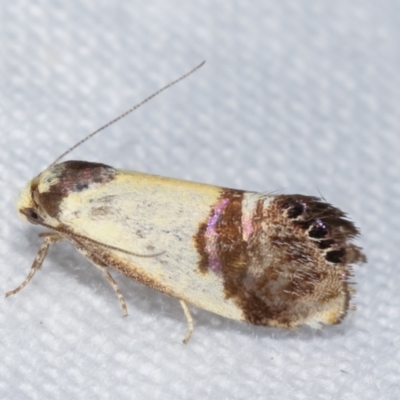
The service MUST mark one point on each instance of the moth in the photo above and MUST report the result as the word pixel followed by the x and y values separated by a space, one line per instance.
pixel 272 260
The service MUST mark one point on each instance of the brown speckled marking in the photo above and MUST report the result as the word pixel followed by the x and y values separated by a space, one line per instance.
pixel 200 244
pixel 296 263
pixel 71 176
pixel 290 279
pixel 100 211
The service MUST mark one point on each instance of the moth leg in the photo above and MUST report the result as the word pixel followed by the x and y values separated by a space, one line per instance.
pixel 49 239
pixel 116 289
pixel 189 320
pixel 91 254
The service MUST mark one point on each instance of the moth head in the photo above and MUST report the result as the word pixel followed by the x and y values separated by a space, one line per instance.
pixel 29 203
pixel 42 200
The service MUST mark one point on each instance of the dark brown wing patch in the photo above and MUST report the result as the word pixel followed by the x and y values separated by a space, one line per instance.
pixel 71 176
pixel 219 239
pixel 294 266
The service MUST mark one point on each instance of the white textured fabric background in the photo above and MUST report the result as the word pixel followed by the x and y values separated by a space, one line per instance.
pixel 297 96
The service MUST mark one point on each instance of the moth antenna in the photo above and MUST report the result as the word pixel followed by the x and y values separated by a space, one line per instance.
pixel 123 115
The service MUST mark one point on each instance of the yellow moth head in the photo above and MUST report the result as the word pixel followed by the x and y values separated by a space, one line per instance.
pixel 27 202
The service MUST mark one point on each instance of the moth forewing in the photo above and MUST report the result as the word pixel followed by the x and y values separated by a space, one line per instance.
pixel 278 260
pixel 271 260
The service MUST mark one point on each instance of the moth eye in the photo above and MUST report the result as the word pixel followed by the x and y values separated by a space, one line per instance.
pixel 31 214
